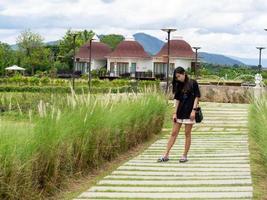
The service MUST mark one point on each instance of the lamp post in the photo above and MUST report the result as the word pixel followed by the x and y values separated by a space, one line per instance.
pixel 74 35
pixel 168 30
pixel 90 62
pixel 260 50
pixel 196 71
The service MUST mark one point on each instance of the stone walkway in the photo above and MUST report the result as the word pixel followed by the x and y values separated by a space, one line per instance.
pixel 218 166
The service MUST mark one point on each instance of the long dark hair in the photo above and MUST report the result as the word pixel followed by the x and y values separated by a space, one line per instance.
pixel 178 85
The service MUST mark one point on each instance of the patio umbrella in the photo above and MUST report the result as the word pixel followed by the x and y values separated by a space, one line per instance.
pixel 14 68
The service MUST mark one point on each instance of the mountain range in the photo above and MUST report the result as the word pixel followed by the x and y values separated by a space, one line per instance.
pixel 152 45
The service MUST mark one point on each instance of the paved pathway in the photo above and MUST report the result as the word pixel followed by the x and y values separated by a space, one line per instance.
pixel 218 166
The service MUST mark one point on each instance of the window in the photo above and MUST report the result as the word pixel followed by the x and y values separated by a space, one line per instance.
pixel 161 68
pixel 81 66
pixel 171 70
pixel 112 68
pixel 133 68
pixel 122 68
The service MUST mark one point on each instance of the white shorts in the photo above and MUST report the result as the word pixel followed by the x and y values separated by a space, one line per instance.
pixel 185 121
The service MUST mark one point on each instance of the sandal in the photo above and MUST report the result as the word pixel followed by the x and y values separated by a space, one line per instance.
pixel 163 159
pixel 183 159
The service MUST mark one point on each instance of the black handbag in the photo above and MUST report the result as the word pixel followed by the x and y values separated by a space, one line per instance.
pixel 199 115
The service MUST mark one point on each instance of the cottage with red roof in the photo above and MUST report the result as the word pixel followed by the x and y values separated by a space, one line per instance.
pixel 99 53
pixel 129 58
pixel 181 54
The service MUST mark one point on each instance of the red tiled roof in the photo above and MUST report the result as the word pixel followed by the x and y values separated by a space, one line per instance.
pixel 129 49
pixel 178 48
pixel 99 51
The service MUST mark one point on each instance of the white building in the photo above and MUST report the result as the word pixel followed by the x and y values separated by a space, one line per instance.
pixel 98 56
pixel 181 54
pixel 129 59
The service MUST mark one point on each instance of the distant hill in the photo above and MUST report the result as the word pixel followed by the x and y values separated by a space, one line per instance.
pixel 152 45
pixel 52 43
pixel 15 47
pixel 252 61
pixel 218 59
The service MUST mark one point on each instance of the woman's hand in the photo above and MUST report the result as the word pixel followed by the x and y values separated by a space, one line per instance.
pixel 193 115
pixel 174 117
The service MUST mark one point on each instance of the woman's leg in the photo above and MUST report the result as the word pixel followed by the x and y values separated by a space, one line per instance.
pixel 188 130
pixel 175 131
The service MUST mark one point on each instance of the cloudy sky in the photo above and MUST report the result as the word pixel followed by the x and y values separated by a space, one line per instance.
pixel 230 27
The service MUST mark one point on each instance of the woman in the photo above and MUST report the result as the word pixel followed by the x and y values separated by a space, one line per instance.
pixel 187 96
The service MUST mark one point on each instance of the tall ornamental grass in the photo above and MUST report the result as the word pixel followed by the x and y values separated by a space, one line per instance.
pixel 70 137
pixel 258 125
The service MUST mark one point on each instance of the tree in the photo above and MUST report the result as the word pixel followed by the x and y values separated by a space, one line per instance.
pixel 7 57
pixel 66 45
pixel 85 36
pixel 54 49
pixel 32 53
pixel 112 40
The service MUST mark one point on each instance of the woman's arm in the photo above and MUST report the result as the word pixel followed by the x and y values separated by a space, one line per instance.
pixel 176 106
pixel 196 102
pixel 174 116
pixel 193 112
pixel 197 94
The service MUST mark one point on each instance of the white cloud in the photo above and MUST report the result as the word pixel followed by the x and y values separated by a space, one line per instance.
pixel 225 26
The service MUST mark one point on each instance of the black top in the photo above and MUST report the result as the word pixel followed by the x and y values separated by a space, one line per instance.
pixel 186 98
